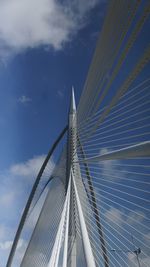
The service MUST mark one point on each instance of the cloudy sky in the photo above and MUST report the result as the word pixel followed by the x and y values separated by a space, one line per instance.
pixel 45 48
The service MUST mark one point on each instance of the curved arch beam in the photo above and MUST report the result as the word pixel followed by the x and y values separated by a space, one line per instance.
pixel 29 201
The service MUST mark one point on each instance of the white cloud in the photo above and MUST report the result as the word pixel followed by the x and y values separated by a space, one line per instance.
pixel 114 216
pixel 60 93
pixel 24 99
pixel 31 167
pixel 110 168
pixel 5 245
pixel 134 217
pixel 30 23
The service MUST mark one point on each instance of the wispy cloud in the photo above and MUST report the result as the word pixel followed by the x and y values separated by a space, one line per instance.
pixel 110 168
pixel 28 168
pixel 60 94
pixel 53 24
pixel 135 217
pixel 114 216
pixel 24 99
pixel 5 245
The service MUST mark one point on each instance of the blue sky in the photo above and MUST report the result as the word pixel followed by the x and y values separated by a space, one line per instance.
pixel 45 48
pixel 35 89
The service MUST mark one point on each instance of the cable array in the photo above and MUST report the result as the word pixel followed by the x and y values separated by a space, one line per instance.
pixel 121 186
pixel 114 115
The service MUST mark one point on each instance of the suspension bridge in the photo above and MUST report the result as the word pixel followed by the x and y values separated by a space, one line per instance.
pixel 93 208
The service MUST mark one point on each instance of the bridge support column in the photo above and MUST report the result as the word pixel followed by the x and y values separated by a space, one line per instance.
pixel 85 238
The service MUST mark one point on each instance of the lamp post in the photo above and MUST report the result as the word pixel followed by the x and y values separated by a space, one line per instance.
pixel 136 252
